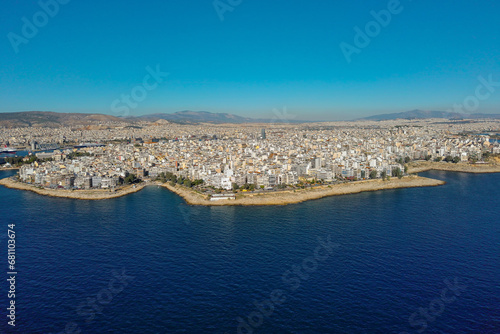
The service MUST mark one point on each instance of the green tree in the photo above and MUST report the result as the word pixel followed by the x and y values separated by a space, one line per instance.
pixel 438 159
pixel 235 186
pixel 456 160
pixel 397 173
pixel 129 179
pixel 407 160
pixel 197 182
pixel 373 174
pixel 384 175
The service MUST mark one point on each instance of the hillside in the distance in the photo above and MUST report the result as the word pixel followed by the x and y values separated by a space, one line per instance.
pixel 94 121
pixel 197 117
pixel 51 119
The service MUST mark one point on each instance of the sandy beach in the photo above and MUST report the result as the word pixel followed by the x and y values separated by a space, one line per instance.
pixel 301 195
pixel 97 194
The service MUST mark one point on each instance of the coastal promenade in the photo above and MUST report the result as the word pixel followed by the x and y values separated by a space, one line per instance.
pixel 267 198
pixel 284 197
pixel 8 168
pixel 94 194
pixel 493 166
pixel 301 195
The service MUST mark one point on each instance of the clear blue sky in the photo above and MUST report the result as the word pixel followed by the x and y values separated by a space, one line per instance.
pixel 264 55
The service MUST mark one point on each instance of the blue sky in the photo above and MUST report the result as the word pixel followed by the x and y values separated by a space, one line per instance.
pixel 264 55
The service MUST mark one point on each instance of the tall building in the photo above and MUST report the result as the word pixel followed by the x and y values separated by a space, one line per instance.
pixel 263 133
pixel 317 163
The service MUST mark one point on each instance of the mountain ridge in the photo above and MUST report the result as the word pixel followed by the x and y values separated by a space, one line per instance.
pixel 52 119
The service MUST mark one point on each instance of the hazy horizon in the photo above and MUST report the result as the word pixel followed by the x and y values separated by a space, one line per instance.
pixel 278 115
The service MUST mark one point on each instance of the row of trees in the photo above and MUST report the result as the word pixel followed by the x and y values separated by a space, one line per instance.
pixel 403 161
pixel 78 154
pixel 173 179
pixel 395 173
pixel 246 186
pixel 18 161
pixel 129 179
pixel 448 158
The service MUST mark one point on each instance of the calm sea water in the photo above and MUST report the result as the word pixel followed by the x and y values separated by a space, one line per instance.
pixel 149 263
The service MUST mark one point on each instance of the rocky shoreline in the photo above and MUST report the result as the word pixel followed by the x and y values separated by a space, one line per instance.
pixel 8 168
pixel 277 197
pixel 418 167
pixel 74 194
pixel 301 195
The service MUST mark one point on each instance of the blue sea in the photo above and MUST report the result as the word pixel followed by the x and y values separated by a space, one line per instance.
pixel 421 260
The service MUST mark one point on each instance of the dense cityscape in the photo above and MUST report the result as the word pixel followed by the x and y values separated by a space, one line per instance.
pixel 248 156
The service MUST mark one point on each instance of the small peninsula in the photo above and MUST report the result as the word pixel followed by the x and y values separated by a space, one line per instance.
pixel 92 194
pixel 301 195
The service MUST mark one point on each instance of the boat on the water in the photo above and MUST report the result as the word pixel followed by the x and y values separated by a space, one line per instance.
pixel 7 150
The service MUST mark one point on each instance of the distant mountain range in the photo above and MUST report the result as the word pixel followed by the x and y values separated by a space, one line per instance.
pixel 423 114
pixel 54 119
pixel 188 116
pixel 95 121
pixel 51 119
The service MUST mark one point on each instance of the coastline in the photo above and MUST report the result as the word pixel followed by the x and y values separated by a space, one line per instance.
pixel 76 194
pixel 8 168
pixel 283 197
pixel 301 195
pixel 417 167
